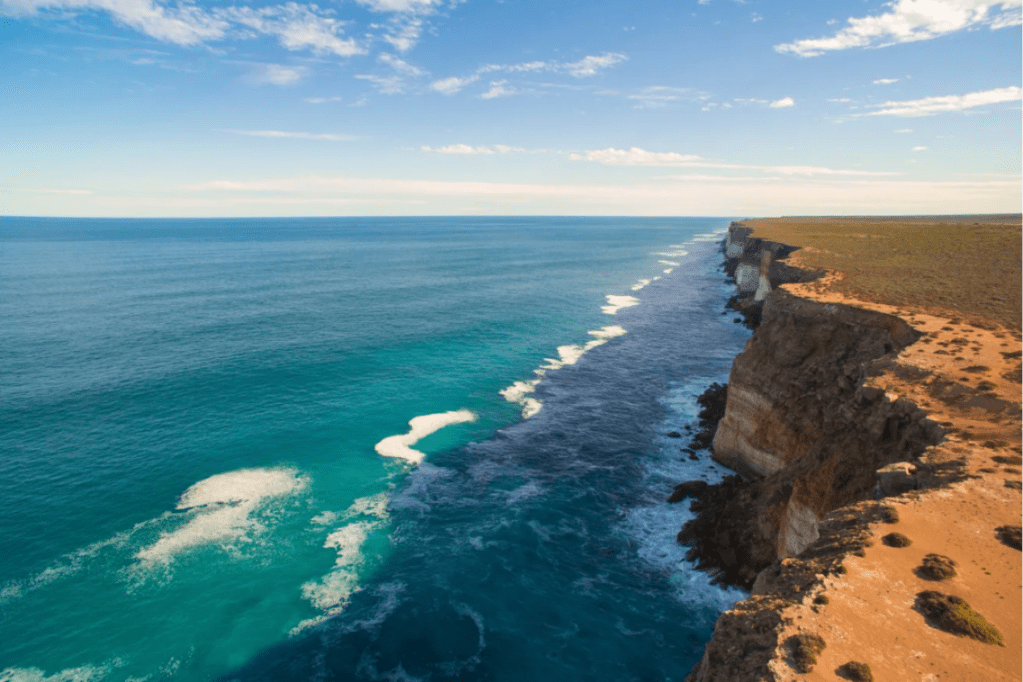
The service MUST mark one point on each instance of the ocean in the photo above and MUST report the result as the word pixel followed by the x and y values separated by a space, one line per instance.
pixel 354 448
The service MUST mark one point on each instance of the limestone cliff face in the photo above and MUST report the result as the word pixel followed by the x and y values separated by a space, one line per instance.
pixel 800 427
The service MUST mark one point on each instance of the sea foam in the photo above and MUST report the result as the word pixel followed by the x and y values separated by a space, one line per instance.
pixel 222 508
pixel 399 446
pixel 616 303
pixel 640 284
pixel 331 593
pixel 521 391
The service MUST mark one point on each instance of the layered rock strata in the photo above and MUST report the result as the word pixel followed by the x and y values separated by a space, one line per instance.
pixel 799 425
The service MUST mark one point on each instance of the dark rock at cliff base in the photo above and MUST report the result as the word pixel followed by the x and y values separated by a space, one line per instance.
pixel 720 537
pixel 688 489
pixel 713 403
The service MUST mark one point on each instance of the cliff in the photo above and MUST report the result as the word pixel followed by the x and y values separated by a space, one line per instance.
pixel 820 446
pixel 800 427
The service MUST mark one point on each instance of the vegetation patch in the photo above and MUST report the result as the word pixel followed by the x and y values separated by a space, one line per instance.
pixel 889 515
pixel 1008 459
pixel 937 567
pixel 821 599
pixel 952 614
pixel 951 263
pixel 856 671
pixel 1009 535
pixel 896 540
pixel 805 648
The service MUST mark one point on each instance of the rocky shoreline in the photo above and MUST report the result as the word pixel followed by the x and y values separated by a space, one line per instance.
pixel 819 449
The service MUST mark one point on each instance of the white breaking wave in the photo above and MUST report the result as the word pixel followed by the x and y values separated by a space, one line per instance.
pixel 616 303
pixel 85 673
pixel 668 271
pixel 332 592
pixel 669 262
pixel 640 284
pixel 399 446
pixel 521 391
pixel 223 507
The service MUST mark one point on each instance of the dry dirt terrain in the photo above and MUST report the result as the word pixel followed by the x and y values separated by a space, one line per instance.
pixel 957 280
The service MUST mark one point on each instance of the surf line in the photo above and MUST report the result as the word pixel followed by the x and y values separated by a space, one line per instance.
pixel 400 446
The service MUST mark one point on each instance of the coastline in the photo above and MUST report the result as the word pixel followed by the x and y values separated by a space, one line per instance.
pixel 849 419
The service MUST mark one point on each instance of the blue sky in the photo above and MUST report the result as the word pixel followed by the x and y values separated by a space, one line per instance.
pixel 426 107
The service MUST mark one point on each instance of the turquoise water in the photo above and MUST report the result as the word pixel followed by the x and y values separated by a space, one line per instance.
pixel 199 480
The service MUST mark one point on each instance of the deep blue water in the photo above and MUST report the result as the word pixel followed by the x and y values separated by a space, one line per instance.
pixel 194 418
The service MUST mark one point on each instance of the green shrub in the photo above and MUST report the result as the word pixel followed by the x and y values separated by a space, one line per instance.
pixel 805 648
pixel 953 614
pixel 856 671
pixel 896 540
pixel 937 567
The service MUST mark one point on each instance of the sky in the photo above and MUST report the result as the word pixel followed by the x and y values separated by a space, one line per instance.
pixel 509 107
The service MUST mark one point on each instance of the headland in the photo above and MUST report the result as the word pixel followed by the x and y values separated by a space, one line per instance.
pixel 873 420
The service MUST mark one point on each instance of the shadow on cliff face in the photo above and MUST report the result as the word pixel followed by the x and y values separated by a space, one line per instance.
pixel 804 432
pixel 802 429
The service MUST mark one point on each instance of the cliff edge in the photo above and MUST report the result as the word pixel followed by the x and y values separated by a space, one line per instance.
pixel 839 413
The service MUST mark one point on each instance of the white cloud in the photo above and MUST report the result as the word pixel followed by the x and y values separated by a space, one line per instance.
pixel 839 99
pixel 330 137
pixel 449 86
pixel 334 195
pixel 635 157
pixel 182 25
pixel 469 150
pixel 404 32
pixel 387 85
pixel 276 74
pixel 929 106
pixel 885 81
pixel 783 103
pixel 498 89
pixel 400 65
pixel 911 20
pixel 920 148
pixel 399 5
pixel 904 130
pixel 657 96
pixel 640 157
pixel 589 66
pixel 322 100
pixel 296 26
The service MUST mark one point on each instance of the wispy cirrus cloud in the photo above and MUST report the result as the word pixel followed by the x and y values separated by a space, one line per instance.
pixel 286 134
pixel 275 74
pixel 452 85
pixel 636 156
pixel 660 96
pixel 295 25
pixel 909 21
pixel 465 149
pixel 929 106
pixel 590 66
pixel 587 66
pixel 885 81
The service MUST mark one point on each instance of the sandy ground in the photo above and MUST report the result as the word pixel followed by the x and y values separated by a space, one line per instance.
pixel 869 615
